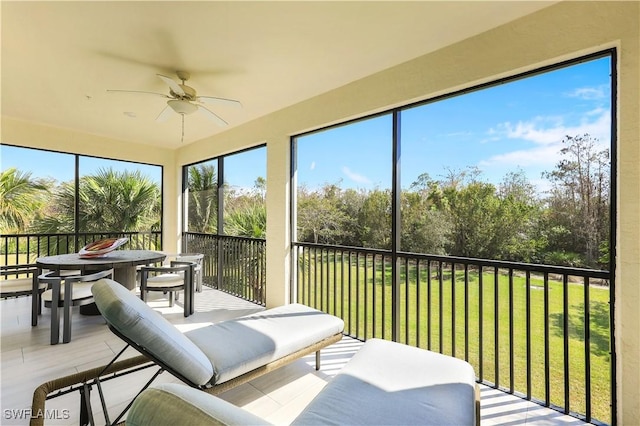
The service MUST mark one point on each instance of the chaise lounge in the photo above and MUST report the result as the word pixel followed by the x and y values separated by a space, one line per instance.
pixel 217 357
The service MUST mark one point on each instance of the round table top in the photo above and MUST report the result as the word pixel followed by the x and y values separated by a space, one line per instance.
pixel 114 259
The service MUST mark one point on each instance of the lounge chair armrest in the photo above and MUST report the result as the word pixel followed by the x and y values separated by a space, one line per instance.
pixel 174 404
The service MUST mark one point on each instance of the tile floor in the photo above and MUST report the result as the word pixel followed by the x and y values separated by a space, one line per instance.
pixel 27 360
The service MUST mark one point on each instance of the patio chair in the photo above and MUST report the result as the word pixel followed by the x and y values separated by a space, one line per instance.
pixel 196 259
pixel 67 291
pixel 22 283
pixel 178 276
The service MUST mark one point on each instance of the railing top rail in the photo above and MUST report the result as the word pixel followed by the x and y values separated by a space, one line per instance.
pixel 503 264
pixel 235 237
pixel 63 234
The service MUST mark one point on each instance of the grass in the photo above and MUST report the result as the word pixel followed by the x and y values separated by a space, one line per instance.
pixel 432 315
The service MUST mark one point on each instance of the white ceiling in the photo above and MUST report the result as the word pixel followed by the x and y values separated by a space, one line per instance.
pixel 59 58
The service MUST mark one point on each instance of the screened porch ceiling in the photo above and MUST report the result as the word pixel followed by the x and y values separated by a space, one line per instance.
pixel 59 58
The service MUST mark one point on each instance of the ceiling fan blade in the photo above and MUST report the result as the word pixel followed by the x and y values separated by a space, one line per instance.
pixel 212 116
pixel 139 91
pixel 212 100
pixel 175 87
pixel 164 115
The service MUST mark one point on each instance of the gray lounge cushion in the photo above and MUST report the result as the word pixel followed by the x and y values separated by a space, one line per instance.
pixel 174 404
pixel 256 340
pixel 140 323
pixel 394 384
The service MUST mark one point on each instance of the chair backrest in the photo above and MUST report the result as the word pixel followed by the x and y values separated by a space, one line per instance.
pixel 191 257
pixel 55 278
pixel 150 332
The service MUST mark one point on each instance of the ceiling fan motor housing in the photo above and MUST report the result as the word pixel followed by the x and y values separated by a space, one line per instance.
pixel 189 93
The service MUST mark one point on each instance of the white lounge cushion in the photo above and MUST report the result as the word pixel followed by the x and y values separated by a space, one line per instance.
pixel 387 383
pixel 135 319
pixel 238 346
pixel 175 404
pixel 80 291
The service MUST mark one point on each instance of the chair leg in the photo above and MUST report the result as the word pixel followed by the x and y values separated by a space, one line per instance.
pixel 66 331
pixel 171 301
pixel 55 314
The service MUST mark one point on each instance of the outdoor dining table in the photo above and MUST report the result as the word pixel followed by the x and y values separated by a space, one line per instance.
pixel 123 263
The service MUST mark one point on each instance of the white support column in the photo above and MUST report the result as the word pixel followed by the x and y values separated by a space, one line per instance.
pixel 278 212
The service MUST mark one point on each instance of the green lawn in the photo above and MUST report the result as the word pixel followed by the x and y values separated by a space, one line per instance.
pixel 359 296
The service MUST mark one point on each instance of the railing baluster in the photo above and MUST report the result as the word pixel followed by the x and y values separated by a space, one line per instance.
pixel 407 303
pixel 418 307
pixel 466 312
pixel 565 335
pixel 453 309
pixel 366 294
pixel 547 386
pixel 440 305
pixel 480 324
pixel 373 295
pixel 358 294
pixel 429 306
pixel 496 326
pixel 528 331
pixel 587 349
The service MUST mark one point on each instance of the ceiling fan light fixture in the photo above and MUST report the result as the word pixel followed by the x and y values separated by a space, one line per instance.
pixel 182 107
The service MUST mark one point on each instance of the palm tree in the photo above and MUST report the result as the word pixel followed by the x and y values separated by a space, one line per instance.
pixel 108 201
pixel 203 198
pixel 21 199
pixel 250 221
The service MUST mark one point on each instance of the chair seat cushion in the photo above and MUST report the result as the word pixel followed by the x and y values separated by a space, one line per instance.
pixel 80 291
pixel 165 280
pixel 18 285
pixel 238 346
pixel 394 384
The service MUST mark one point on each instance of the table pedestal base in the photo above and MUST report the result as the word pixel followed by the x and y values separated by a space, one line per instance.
pixel 126 277
pixel 90 309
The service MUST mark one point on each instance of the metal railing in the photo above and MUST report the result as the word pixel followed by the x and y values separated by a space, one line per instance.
pixel 23 249
pixel 235 265
pixel 540 332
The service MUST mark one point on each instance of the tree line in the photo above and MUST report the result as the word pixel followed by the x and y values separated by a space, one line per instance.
pixel 459 214
pixel 463 215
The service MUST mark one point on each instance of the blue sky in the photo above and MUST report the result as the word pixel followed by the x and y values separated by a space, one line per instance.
pixel 512 126
pixel 61 167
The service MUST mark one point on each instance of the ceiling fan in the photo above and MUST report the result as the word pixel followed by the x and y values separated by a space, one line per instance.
pixel 184 100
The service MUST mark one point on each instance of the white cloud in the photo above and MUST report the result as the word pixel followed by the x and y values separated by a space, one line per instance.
pixel 355 176
pixel 312 166
pixel 589 93
pixel 546 133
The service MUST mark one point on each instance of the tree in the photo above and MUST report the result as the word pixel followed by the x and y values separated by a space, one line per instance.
pixel 21 199
pixel 517 219
pixel 320 219
pixel 375 219
pixel 245 211
pixel 578 201
pixel 108 201
pixel 203 198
